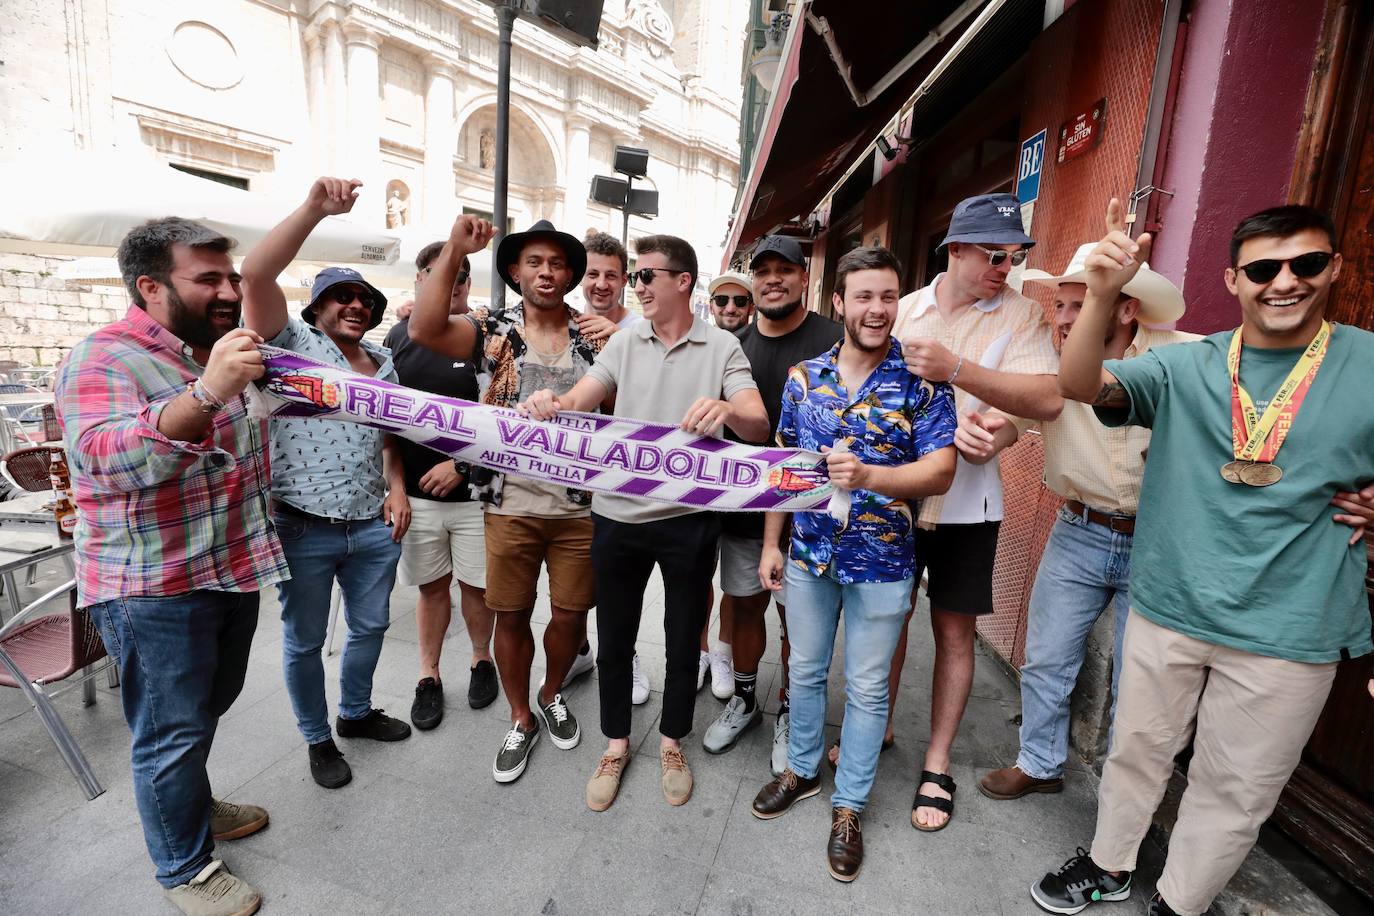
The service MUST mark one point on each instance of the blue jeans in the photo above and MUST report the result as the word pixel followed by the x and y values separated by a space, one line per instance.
pixel 1085 567
pixel 363 557
pixel 873 617
pixel 182 661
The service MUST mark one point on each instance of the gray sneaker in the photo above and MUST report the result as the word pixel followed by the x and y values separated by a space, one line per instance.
pixel 215 892
pixel 564 731
pixel 514 754
pixel 782 733
pixel 732 722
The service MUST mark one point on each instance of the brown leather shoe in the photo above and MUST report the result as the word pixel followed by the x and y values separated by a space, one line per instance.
pixel 778 797
pixel 1009 782
pixel 846 848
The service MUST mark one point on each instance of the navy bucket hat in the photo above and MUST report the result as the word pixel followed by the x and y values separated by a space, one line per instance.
pixel 988 219
pixel 331 277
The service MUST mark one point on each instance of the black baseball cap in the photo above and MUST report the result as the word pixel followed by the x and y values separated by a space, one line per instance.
pixel 789 249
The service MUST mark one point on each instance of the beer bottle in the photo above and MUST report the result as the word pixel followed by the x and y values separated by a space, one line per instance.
pixel 64 510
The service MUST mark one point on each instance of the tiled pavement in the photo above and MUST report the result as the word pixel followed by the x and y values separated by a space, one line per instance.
pixel 423 828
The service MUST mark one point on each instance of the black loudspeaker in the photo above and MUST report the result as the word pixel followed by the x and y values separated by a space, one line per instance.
pixel 610 191
pixel 643 202
pixel 631 161
pixel 576 21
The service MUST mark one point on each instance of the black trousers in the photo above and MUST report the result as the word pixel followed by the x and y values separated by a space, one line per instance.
pixel 623 556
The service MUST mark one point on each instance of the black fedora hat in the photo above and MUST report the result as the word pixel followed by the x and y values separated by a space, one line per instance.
pixel 508 252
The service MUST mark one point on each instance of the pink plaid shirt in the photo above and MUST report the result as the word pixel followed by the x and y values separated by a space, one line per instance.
pixel 159 517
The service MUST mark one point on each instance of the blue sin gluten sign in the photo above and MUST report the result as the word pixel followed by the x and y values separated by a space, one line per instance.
pixel 1028 166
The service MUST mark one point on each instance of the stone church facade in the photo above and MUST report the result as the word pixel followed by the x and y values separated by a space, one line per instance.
pixel 267 94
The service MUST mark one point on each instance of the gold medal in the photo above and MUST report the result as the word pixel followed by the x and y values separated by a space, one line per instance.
pixel 1230 471
pixel 1260 474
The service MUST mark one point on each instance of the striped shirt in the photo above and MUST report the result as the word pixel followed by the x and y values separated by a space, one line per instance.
pixel 158 517
pixel 1008 322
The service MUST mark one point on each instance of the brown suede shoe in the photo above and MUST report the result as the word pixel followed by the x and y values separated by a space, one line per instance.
pixel 846 847
pixel 778 797
pixel 1009 782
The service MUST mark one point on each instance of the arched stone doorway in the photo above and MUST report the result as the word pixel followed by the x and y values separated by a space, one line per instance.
pixel 535 191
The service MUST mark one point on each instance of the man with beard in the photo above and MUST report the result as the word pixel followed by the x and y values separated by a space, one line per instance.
pixel 1086 565
pixel 731 301
pixel 970 329
pixel 897 430
pixel 532 344
pixel 784 335
pixel 172 541
pixel 445 538
pixel 1245 596
pixel 671 368
pixel 339 494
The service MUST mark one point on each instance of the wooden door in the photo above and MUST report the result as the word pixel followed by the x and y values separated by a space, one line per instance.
pixel 1329 804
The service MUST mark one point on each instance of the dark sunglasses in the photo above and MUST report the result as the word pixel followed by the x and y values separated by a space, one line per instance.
pixel 462 277
pixel 723 301
pixel 1304 266
pixel 346 297
pixel 645 275
pixel 998 256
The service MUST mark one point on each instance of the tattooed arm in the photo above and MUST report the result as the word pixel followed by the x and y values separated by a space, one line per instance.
pixel 1112 393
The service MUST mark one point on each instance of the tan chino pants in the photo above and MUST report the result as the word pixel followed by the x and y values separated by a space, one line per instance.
pixel 1253 716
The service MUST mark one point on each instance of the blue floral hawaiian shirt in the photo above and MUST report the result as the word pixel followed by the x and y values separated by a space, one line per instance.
pixel 894 419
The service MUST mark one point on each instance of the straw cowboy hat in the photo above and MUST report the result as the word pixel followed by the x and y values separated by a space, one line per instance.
pixel 1160 301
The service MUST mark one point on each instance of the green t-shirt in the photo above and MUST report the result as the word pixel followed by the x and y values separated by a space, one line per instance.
pixel 1262 569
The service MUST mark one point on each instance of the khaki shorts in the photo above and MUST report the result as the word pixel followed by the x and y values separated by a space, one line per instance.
pixel 444 538
pixel 517 545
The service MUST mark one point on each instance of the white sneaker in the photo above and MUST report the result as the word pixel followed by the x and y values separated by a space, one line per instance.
pixel 582 663
pixel 782 733
pixel 732 722
pixel 703 670
pixel 639 683
pixel 722 676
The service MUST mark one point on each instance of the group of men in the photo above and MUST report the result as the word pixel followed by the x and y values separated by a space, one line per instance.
pixel 1246 594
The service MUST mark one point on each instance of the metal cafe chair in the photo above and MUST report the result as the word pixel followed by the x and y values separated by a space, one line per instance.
pixel 54 647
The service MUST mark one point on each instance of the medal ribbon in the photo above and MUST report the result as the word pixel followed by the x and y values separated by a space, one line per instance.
pixel 1260 438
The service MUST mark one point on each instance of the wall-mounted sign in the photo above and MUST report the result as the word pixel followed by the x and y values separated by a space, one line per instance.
pixel 1082 132
pixel 1028 166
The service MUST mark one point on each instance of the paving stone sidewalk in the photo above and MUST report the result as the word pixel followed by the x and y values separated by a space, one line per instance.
pixel 423 828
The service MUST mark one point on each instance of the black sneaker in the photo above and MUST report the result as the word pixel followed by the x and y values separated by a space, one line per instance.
pixel 561 724
pixel 1079 883
pixel 1158 907
pixel 375 725
pixel 327 765
pixel 482 684
pixel 514 754
pixel 428 709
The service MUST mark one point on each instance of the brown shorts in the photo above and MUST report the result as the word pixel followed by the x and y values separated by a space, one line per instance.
pixel 517 545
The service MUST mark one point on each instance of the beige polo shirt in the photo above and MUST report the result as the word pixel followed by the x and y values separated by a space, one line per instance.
pixel 1007 332
pixel 1101 467
pixel 657 383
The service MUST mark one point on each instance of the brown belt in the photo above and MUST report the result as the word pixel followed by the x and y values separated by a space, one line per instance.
pixel 1121 524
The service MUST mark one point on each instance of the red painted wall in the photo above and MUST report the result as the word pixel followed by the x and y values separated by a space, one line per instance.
pixel 1242 90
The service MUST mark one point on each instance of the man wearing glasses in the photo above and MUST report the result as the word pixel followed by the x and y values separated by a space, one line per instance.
pixel 445 539
pixel 732 303
pixel 1246 593
pixel 970 329
pixel 339 497
pixel 672 368
pixel 785 335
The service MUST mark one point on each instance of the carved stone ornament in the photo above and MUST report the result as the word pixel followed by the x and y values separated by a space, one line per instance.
pixel 205 55
pixel 649 17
